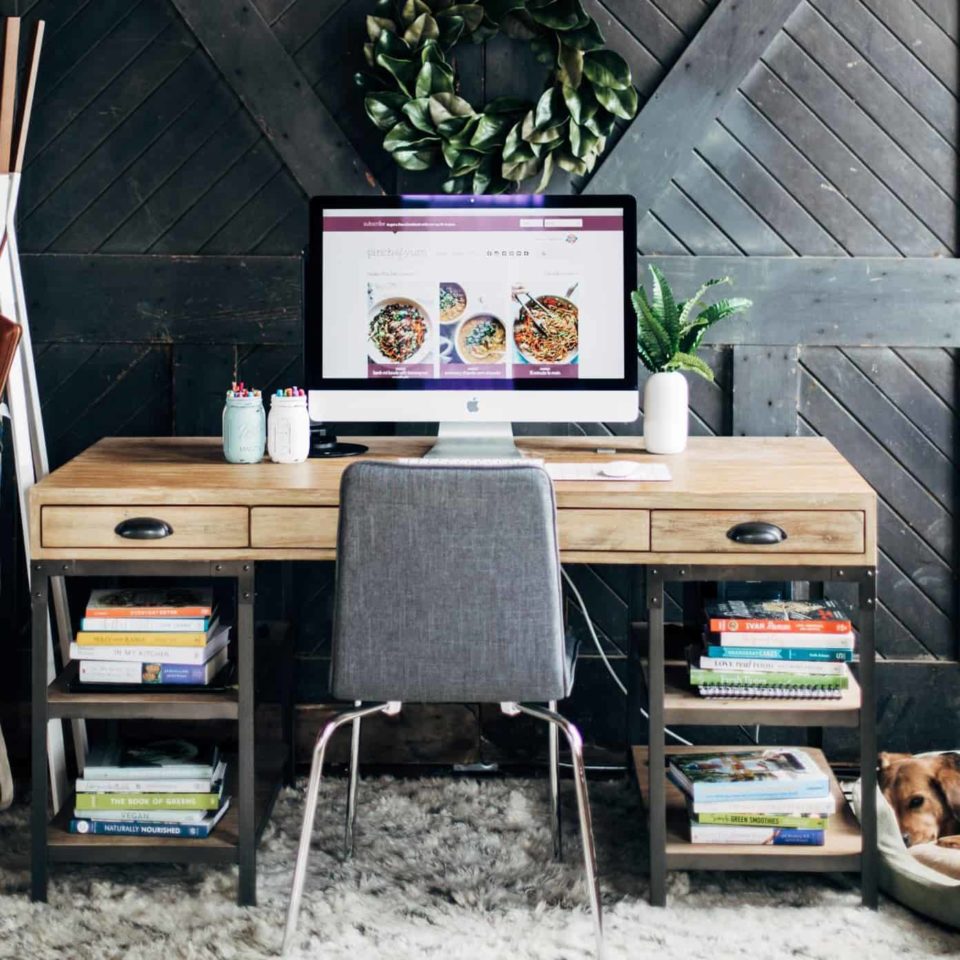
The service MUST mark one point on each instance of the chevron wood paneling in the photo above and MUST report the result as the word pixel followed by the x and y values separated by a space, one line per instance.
pixel 139 145
pixel 840 140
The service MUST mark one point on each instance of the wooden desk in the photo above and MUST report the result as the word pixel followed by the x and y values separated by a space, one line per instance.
pixel 226 517
pixel 267 511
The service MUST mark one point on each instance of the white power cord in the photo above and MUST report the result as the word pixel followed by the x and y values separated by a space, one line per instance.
pixel 603 656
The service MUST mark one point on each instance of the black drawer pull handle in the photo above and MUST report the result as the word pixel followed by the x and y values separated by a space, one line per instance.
pixel 143 528
pixel 757 532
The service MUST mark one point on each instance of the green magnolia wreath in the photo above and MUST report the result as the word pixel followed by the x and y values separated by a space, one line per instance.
pixel 492 150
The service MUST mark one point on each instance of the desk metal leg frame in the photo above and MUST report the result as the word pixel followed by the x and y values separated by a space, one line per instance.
pixel 657 757
pixel 244 575
pixel 39 609
pixel 247 838
pixel 657 577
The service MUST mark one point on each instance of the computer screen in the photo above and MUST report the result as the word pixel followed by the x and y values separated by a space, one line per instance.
pixel 520 293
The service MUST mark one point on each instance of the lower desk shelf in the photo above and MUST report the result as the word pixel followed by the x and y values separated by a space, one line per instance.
pixel 220 847
pixel 683 705
pixel 142 704
pixel 840 853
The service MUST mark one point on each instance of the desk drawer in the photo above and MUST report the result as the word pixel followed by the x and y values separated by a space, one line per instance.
pixel 189 527
pixel 604 529
pixel 316 527
pixel 306 527
pixel 807 531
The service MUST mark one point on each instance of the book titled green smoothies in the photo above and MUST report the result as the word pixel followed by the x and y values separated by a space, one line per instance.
pixel 760 820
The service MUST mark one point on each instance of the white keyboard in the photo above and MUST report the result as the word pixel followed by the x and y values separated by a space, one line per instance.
pixel 476 462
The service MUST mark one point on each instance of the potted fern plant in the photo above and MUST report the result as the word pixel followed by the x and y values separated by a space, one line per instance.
pixel 668 336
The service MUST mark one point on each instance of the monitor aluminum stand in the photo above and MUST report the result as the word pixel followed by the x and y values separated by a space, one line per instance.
pixel 474 441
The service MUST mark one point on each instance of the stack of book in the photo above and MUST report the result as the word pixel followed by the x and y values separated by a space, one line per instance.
pixel 766 796
pixel 786 649
pixel 166 789
pixel 146 637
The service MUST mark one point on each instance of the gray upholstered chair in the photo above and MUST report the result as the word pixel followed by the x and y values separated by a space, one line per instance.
pixel 448 591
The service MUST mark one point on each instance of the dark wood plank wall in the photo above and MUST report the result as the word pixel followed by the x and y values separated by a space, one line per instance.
pixel 160 225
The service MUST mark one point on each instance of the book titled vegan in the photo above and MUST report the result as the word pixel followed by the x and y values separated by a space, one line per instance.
pixel 749 774
pixel 777 616
pixel 144 816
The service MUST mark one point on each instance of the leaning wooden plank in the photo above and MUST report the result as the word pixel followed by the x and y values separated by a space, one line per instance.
pixel 674 119
pixel 26 104
pixel 8 90
pixel 278 96
pixel 24 453
pixel 32 464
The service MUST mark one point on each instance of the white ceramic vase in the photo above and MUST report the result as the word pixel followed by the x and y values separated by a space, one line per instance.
pixel 665 413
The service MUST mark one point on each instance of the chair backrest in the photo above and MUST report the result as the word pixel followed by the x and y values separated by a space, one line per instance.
pixel 448 585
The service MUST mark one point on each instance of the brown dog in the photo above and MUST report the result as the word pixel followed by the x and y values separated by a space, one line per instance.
pixel 924 792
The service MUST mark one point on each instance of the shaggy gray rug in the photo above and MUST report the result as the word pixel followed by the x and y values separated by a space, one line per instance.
pixel 448 869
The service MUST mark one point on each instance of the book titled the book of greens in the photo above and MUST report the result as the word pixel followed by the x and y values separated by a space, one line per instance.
pixel 749 774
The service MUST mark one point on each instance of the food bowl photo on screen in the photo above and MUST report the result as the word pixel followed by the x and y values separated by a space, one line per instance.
pixel 399 331
pixel 453 302
pixel 547 329
pixel 481 338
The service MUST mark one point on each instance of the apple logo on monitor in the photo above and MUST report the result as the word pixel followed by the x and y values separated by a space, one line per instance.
pixel 473 405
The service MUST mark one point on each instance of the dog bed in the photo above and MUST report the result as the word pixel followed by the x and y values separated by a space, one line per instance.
pixel 926 877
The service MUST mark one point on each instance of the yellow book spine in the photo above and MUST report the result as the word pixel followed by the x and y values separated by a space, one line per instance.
pixel 87 638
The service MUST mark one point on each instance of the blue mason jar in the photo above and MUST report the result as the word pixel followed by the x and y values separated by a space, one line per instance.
pixel 244 430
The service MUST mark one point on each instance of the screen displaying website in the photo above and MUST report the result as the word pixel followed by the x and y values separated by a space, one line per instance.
pixel 479 294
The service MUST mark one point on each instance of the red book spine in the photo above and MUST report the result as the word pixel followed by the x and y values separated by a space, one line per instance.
pixel 153 612
pixel 727 625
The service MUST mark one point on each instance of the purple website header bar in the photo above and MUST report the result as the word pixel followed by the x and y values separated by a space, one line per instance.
pixel 451 223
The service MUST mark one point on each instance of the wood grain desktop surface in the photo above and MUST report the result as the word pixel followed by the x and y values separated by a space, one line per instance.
pixel 275 511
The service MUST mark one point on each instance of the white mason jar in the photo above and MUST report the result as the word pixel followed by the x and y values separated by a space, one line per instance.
pixel 665 413
pixel 288 430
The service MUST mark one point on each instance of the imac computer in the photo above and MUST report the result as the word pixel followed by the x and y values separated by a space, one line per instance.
pixel 472 312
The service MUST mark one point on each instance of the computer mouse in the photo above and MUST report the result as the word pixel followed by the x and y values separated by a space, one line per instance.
pixel 619 468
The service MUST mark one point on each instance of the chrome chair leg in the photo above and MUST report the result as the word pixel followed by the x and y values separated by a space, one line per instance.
pixel 575 742
pixel 554 762
pixel 309 813
pixel 354 774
